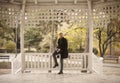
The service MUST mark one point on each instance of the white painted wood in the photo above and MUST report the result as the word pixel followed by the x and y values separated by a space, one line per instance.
pixel 11 0
pixel 36 1
pixel 16 63
pixel 75 1
pixel 52 38
pixel 90 25
pixel 97 64
pixel 102 12
pixel 22 25
pixel 73 62
pixel 56 1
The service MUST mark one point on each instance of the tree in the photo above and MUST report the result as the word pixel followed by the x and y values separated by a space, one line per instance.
pixel 48 28
pixel 10 46
pixel 9 33
pixel 75 35
pixel 109 35
pixel 32 37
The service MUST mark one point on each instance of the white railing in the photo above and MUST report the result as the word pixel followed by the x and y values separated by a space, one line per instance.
pixel 37 60
pixel 16 64
pixel 45 61
pixel 97 64
pixel 11 56
pixel 75 61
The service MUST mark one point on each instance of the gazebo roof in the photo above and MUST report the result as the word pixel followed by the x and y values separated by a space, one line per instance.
pixel 52 1
pixel 46 1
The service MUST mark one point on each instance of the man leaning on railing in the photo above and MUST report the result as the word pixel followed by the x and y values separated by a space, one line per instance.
pixel 61 49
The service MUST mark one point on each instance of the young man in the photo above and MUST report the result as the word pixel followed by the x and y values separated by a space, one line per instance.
pixel 61 49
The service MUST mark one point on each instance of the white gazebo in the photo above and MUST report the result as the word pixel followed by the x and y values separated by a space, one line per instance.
pixel 92 13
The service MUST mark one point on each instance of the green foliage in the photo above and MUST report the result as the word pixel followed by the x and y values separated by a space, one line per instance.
pixel 9 34
pixel 10 46
pixel 6 32
pixel 40 37
pixel 107 36
pixel 33 37
pixel 76 37
pixel 1 43
pixel 45 43
pixel 95 51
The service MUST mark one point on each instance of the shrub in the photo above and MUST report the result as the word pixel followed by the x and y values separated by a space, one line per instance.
pixel 10 46
pixel 95 51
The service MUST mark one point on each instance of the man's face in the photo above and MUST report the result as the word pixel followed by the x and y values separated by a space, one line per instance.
pixel 60 35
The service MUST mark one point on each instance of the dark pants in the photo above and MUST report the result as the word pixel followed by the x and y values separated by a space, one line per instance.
pixel 55 60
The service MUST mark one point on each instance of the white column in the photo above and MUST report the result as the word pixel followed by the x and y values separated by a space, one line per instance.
pixel 52 38
pixel 36 1
pixel 90 26
pixel 51 46
pixel 22 34
pixel 52 33
pixel 75 1
pixel 56 1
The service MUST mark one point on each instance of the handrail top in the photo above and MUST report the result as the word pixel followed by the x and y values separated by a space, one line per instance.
pixel 51 53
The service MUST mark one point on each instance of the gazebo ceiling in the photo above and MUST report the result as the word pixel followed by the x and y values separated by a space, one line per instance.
pixel 51 1
pixel 45 1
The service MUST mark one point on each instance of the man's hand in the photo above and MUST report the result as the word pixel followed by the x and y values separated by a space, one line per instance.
pixel 58 50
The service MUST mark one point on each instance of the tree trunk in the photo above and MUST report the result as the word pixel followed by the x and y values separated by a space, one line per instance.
pixel 29 47
pixel 87 41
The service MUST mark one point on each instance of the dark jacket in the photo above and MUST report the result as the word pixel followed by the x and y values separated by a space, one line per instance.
pixel 63 46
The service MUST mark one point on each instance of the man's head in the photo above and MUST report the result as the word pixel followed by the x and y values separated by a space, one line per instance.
pixel 60 35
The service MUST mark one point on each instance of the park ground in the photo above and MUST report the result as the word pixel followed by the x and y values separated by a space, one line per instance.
pixel 111 74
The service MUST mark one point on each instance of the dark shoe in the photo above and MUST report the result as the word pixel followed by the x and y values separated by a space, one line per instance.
pixel 60 73
pixel 55 66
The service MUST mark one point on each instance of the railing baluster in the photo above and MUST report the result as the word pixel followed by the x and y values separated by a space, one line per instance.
pixel 16 64
pixel 37 61
pixel 26 62
pixel 42 60
pixel 31 61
